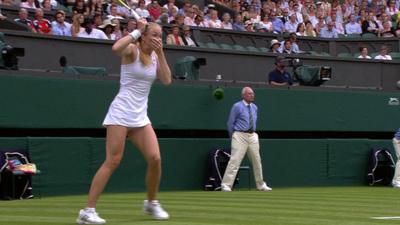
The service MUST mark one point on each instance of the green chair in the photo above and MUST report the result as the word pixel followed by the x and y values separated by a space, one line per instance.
pixel 202 45
pixel 212 45
pixel 395 55
pixel 345 55
pixel 186 68
pixel 374 54
pixel 226 46
pixel 80 70
pixel 368 35
pixel 263 49
pixel 239 48
pixel 252 49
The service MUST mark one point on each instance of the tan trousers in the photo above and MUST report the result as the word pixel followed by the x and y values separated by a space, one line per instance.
pixel 396 177
pixel 243 143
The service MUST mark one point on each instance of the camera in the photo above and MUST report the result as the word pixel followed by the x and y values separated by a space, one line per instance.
pixel 9 54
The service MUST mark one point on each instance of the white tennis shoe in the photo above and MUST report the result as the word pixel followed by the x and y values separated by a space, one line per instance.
pixel 264 187
pixel 89 217
pixel 154 208
pixel 225 188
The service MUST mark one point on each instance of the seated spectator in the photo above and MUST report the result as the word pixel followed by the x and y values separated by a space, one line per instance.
pixel 77 21
pixel 274 47
pixel 226 21
pixel 114 13
pixel 338 25
pixel 59 26
pixel 364 53
pixel 294 46
pixel 352 27
pixel 186 6
pixel 329 31
pixel 397 31
pixel 171 3
pixel 387 30
pixel 320 24
pixel 174 38
pixel 90 32
pixel 277 23
pixel 291 25
pixel 30 4
pixel 248 25
pixel 238 23
pixel 189 17
pixel 392 9
pixel 310 32
pixel 154 9
pixel 214 22
pixel 383 54
pixel 132 25
pixel 286 47
pixel 46 5
pixel 117 29
pixel 199 21
pixel 187 37
pixel 108 28
pixel 301 30
pixel 97 20
pixel 369 25
pixel 279 76
pixel 81 8
pixel 142 11
pixel 23 18
pixel 42 25
pixel 266 24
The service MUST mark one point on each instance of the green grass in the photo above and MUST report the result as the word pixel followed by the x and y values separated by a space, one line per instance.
pixel 308 206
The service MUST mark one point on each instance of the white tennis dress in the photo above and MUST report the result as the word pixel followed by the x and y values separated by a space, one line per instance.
pixel 129 107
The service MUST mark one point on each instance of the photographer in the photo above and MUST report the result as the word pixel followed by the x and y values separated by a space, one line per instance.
pixel 279 76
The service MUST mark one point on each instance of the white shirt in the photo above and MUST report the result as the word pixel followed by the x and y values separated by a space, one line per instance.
pixel 96 34
pixel 190 42
pixel 366 57
pixel 383 57
pixel 143 12
pixel 291 27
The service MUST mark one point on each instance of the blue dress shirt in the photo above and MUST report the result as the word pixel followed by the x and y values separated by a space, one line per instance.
pixel 397 134
pixel 239 118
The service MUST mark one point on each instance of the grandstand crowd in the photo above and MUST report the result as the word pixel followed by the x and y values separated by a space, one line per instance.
pixel 325 19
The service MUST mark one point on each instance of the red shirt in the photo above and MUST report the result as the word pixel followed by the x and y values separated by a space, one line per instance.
pixel 44 26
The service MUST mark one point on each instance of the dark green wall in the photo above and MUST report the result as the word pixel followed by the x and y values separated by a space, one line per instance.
pixel 68 164
pixel 46 102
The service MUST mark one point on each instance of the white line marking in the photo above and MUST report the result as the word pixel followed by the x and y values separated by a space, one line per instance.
pixel 387 218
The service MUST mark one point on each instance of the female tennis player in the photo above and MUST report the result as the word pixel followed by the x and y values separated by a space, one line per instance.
pixel 142 61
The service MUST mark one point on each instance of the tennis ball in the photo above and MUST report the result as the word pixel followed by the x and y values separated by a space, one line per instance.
pixel 218 93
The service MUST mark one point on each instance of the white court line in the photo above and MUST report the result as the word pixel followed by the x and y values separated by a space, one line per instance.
pixel 386 218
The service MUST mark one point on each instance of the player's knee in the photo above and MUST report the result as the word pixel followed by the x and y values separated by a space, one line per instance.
pixel 154 161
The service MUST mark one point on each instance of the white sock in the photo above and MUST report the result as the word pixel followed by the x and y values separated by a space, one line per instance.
pixel 90 210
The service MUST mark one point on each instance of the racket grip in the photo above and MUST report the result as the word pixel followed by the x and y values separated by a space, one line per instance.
pixel 134 14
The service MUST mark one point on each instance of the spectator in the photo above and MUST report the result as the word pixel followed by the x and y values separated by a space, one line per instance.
pixel 163 19
pixel 174 38
pixel 320 25
pixel 60 27
pixel 274 47
pixel 90 32
pixel 294 46
pixel 154 9
pixel 397 31
pixel 301 30
pixel 364 53
pixel 286 47
pixel 169 4
pixel 369 25
pixel 291 25
pixel 387 30
pixel 114 13
pixel 121 11
pixel 142 11
pixel 383 54
pixel 329 31
pixel 238 23
pixel 132 25
pixel 97 20
pixel 277 23
pixel 285 15
pixel 81 8
pixel 199 21
pixel 266 24
pixel 352 27
pixel 42 25
pixel 186 6
pixel 117 29
pixel 214 22
pixel 310 32
pixel 338 25
pixel 187 37
pixel 96 8
pixel 108 28
pixel 46 5
pixel 391 8
pixel 296 11
pixel 30 4
pixel 248 25
pixel 226 21
pixel 23 18
pixel 77 21
pixel 279 76
pixel 189 17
